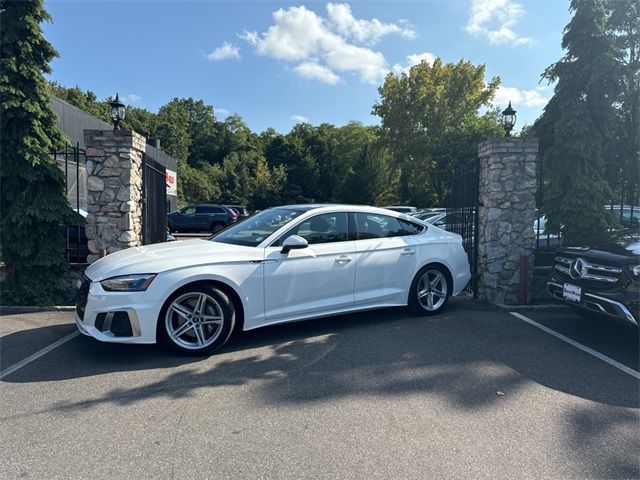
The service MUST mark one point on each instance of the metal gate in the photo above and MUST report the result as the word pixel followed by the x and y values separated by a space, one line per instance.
pixel 154 198
pixel 462 212
pixel 73 162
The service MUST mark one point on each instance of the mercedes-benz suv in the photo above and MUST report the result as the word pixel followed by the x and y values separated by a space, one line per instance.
pixel 601 278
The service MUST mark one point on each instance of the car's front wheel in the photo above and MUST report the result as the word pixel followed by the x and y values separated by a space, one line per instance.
pixel 430 290
pixel 197 320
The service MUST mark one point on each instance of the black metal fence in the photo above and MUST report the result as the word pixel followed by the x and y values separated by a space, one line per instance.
pixel 72 161
pixel 624 207
pixel 154 197
pixel 462 211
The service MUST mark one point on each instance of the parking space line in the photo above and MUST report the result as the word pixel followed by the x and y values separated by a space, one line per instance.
pixel 584 348
pixel 38 354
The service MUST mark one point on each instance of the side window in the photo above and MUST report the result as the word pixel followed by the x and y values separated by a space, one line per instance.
pixel 323 228
pixel 378 226
pixel 410 228
pixel 201 210
pixel 189 211
pixel 217 210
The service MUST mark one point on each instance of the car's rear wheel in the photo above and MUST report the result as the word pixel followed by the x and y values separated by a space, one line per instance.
pixel 197 320
pixel 430 290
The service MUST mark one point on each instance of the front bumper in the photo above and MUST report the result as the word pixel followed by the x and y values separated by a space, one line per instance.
pixel 117 317
pixel 616 305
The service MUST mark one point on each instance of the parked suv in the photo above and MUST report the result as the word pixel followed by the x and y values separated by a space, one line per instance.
pixel 201 218
pixel 601 278
pixel 241 210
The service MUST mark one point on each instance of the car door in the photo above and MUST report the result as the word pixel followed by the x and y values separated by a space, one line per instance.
pixel 185 220
pixel 386 259
pixel 313 280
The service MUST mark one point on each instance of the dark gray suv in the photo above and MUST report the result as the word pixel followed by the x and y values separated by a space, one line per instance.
pixel 201 218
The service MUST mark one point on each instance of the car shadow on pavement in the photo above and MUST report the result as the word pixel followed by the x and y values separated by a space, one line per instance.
pixel 466 354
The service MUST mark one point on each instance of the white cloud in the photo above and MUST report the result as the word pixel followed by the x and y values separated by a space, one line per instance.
pixel 131 98
pixel 412 60
pixel 299 119
pixel 224 52
pixel 221 112
pixel 526 98
pixel 495 20
pixel 324 48
pixel 315 71
pixel 364 31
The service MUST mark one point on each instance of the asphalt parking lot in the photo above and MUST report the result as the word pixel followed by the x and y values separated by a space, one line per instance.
pixel 472 393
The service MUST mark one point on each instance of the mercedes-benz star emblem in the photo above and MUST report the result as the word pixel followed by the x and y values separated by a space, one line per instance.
pixel 578 268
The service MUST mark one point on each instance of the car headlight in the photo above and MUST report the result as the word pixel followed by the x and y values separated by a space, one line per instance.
pixel 128 283
pixel 635 272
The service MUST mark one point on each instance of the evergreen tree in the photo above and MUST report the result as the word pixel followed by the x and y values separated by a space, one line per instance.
pixel 576 126
pixel 32 198
pixel 623 168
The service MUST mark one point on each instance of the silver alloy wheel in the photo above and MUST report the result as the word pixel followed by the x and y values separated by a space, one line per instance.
pixel 432 290
pixel 194 320
pixel 217 227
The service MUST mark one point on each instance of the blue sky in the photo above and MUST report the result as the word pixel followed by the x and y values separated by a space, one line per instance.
pixel 278 63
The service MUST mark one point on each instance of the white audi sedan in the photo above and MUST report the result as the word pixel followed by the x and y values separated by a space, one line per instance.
pixel 281 265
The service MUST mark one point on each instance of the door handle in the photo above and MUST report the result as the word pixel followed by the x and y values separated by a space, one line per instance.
pixel 408 251
pixel 343 259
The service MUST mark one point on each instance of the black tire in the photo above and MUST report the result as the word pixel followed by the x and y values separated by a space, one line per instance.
pixel 216 227
pixel 204 336
pixel 438 290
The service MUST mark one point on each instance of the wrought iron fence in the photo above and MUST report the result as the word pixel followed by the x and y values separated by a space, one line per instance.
pixel 624 207
pixel 154 191
pixel 73 163
pixel 462 211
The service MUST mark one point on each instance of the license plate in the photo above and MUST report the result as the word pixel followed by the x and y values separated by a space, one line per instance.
pixel 571 292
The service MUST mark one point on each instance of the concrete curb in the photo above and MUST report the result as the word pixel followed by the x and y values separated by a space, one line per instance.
pixel 12 310
pixel 551 307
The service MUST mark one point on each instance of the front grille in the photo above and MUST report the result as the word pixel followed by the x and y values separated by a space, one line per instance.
pixel 586 272
pixel 82 295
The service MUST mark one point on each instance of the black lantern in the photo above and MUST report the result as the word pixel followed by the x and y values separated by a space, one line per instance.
pixel 117 112
pixel 508 120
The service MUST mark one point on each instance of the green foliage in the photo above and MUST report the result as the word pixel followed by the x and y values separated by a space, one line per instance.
pixel 576 126
pixel 430 121
pixel 373 180
pixel 32 199
pixel 622 166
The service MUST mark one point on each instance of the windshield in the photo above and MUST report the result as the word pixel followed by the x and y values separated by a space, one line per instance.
pixel 252 231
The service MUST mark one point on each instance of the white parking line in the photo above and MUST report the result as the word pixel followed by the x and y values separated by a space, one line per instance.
pixel 35 356
pixel 588 350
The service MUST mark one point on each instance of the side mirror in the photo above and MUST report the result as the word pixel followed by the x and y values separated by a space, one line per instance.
pixel 294 242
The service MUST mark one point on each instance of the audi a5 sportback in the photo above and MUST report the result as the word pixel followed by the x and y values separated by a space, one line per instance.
pixel 281 265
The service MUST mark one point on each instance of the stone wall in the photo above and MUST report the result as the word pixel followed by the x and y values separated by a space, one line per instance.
pixel 114 185
pixel 506 215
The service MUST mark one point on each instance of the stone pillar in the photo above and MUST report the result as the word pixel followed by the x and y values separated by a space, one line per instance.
pixel 505 217
pixel 114 190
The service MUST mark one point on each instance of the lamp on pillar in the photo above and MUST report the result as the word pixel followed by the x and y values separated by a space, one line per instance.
pixel 508 119
pixel 117 112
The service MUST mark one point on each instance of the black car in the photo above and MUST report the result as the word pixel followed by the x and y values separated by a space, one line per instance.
pixel 201 218
pixel 601 278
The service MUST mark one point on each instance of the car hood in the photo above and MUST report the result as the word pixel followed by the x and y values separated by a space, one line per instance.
pixel 168 256
pixel 622 246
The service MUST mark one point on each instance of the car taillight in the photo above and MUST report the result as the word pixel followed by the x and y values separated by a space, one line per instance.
pixel 233 215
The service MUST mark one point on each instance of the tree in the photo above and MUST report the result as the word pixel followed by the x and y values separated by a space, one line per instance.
pixel 32 200
pixel 576 125
pixel 623 169
pixel 373 181
pixel 422 111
